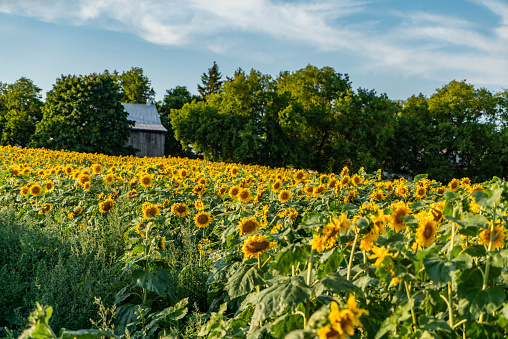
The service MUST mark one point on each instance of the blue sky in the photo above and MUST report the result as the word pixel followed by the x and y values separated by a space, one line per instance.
pixel 396 47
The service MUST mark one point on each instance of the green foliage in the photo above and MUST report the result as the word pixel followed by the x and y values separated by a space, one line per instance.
pixel 211 82
pixel 457 132
pixel 135 86
pixel 84 114
pixel 20 111
pixel 50 266
pixel 174 99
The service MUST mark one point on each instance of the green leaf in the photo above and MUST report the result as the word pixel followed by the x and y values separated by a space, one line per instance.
pixel 291 255
pixel 438 269
pixel 449 195
pixel 362 223
pixel 485 301
pixel 348 207
pixel 389 325
pixel 499 258
pixel 87 334
pixel 127 316
pixel 420 177
pixel 156 281
pixel 330 262
pixel 313 220
pixel 301 334
pixel 244 281
pixel 284 324
pixel 335 283
pixel 275 299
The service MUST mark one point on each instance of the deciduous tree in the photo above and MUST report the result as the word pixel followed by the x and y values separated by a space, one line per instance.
pixel 84 114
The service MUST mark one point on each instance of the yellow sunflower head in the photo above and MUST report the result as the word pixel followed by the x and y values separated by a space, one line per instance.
pixel 180 209
pixel 106 205
pixel 284 196
pixel 35 190
pixel 202 219
pixel 146 180
pixel 233 191
pixel 244 195
pixel 254 245
pixel 248 225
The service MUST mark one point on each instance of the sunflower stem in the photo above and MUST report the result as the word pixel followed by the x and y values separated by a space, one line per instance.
pixel 487 264
pixel 258 288
pixel 309 276
pixel 350 264
pixel 409 298
pixel 450 308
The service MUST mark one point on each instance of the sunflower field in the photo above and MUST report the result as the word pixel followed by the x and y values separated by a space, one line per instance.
pixel 221 250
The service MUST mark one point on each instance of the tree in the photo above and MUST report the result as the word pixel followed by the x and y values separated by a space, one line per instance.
pixel 314 93
pixel 84 114
pixel 135 86
pixel 174 99
pixel 452 134
pixel 211 82
pixel 20 111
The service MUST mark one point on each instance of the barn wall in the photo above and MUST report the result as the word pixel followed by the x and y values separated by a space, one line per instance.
pixel 150 144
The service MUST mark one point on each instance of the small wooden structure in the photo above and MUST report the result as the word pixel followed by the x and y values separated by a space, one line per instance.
pixel 148 134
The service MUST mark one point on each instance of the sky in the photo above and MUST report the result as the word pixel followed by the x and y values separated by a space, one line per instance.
pixel 397 47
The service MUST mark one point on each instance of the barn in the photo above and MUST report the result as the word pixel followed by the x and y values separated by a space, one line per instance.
pixel 148 134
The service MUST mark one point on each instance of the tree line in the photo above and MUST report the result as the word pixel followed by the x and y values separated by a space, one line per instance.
pixel 310 118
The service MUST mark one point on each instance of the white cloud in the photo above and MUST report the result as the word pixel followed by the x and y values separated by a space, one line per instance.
pixel 419 43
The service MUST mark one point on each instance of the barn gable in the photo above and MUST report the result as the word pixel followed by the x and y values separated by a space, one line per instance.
pixel 148 134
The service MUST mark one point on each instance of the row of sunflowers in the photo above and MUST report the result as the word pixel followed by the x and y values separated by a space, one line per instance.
pixel 286 252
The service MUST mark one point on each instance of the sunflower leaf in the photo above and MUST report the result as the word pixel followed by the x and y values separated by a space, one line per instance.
pixel 155 281
pixel 244 281
pixel 289 256
pixel 278 297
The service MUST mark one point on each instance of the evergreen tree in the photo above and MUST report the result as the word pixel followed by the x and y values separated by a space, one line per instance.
pixel 211 82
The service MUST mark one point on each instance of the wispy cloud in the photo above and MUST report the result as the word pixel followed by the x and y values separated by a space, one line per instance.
pixel 418 43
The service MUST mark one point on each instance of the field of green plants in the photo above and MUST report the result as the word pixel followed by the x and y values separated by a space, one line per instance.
pixel 95 246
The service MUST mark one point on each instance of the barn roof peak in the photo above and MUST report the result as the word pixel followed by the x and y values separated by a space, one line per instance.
pixel 145 116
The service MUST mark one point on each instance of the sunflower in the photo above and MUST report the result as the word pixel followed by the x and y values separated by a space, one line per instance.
pixel 233 191
pixel 234 171
pixel 344 181
pixel 318 243
pixel 146 180
pixel 109 179
pixel 357 180
pixel 377 195
pixel 180 209
pixel 436 209
pixel 96 168
pixel 332 183
pixel 465 181
pixel 248 225
pixel 277 185
pixel 202 219
pixel 342 222
pixel 183 173
pixel 200 206
pixel 380 253
pixel 35 190
pixel 202 181
pixel 342 320
pixel 150 211
pixel 106 205
pixel 83 178
pixel 198 189
pixel 317 192
pixel 401 190
pixel 345 171
pixel 284 196
pixel 328 332
pixel 162 244
pixel 476 187
pixel 421 192
pixel 222 190
pixel 454 184
pixel 244 195
pixel 397 220
pixel 299 175
pixel 426 231
pixel 49 185
pixel 45 208
pixel 309 189
pixel 499 233
pixel 254 245
pixel 132 194
pixel 142 229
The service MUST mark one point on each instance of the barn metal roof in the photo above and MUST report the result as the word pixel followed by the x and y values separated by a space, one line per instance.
pixel 145 116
